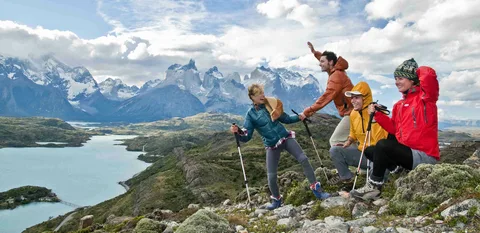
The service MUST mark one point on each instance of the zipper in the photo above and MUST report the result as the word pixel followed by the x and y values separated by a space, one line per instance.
pixel 425 111
pixel 363 127
pixel 414 118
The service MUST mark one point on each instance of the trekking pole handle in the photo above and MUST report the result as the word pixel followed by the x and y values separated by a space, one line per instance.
pixel 237 135
pixel 305 123
pixel 369 127
pixel 306 119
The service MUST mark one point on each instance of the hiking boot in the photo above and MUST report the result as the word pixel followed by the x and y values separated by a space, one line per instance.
pixel 318 191
pixel 370 191
pixel 339 181
pixel 397 170
pixel 276 202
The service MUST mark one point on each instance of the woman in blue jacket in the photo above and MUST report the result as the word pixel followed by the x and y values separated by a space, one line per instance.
pixel 266 116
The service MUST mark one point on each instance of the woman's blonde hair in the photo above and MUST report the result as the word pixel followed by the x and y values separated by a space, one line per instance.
pixel 254 89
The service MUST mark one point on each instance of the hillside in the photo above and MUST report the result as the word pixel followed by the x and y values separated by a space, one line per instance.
pixel 26 132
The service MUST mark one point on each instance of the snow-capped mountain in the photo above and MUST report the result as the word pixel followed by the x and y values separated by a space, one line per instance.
pixel 59 90
pixel 77 83
pixel 186 77
pixel 295 91
pixel 115 89
pixel 149 85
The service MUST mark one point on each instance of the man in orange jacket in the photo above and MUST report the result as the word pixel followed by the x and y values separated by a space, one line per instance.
pixel 338 83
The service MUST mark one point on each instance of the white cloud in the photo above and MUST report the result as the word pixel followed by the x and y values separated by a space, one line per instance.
pixel 461 86
pixel 277 8
pixel 139 53
pixel 294 10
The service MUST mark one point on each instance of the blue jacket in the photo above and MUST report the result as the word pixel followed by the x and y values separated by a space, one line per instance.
pixel 260 120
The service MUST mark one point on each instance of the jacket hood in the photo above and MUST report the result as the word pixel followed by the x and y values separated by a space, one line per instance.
pixel 363 88
pixel 341 64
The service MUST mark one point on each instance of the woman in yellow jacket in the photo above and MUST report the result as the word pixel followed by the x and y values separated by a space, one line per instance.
pixel 349 153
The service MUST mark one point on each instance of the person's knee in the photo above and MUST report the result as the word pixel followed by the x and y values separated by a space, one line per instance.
pixel 383 144
pixel 272 175
pixel 335 151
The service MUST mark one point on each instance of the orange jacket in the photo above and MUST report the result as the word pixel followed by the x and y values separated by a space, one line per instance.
pixel 338 83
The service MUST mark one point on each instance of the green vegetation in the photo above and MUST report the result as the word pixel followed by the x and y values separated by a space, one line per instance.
pixel 24 195
pixel 25 132
pixel 207 172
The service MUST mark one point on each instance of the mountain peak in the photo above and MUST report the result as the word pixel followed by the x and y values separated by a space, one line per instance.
pixel 190 65
pixel 213 69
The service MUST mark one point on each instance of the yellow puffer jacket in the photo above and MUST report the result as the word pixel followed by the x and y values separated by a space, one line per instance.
pixel 359 121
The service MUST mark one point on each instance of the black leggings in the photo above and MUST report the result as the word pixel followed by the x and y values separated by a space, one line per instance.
pixel 388 153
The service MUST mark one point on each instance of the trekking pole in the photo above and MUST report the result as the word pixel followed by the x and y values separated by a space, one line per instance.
pixel 313 142
pixel 369 127
pixel 241 162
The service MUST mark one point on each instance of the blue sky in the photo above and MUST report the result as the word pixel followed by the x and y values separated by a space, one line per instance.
pixel 137 40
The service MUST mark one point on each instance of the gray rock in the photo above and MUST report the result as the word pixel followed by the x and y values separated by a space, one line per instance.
pixel 194 206
pixel 403 230
pixel 260 211
pixel 273 217
pixel 334 202
pixel 341 227
pixel 332 220
pixel 461 209
pixel 168 230
pixel 317 229
pixel 239 228
pixel 380 202
pixel 359 209
pixel 383 210
pixel 360 222
pixel 391 230
pixel 86 221
pixel 285 211
pixel 370 229
pixel 227 202
pixel 289 222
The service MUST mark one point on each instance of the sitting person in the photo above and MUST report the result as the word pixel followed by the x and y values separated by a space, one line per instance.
pixel 414 123
pixel 349 154
pixel 266 116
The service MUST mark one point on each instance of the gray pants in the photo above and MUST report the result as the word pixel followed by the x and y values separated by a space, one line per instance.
pixel 420 157
pixel 341 132
pixel 273 157
pixel 344 157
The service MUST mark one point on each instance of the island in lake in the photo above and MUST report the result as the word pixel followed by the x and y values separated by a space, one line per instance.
pixel 25 195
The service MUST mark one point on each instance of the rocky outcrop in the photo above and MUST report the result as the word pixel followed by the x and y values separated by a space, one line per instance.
pixel 429 185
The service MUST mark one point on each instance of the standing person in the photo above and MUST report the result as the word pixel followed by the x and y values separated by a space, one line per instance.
pixel 266 116
pixel 338 83
pixel 414 123
pixel 349 154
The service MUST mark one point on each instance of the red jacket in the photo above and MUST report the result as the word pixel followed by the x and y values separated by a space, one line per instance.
pixel 414 119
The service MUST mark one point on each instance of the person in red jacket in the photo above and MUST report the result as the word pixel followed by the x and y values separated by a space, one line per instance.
pixel 414 123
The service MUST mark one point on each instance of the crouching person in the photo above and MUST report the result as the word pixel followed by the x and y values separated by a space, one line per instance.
pixel 414 123
pixel 266 116
pixel 349 154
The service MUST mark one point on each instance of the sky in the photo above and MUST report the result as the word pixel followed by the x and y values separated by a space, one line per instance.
pixel 137 40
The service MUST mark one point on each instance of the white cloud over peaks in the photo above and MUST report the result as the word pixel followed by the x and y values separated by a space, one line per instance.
pixel 306 14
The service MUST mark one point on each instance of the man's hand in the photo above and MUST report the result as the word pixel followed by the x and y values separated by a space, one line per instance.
pixel 234 129
pixel 310 45
pixel 302 117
